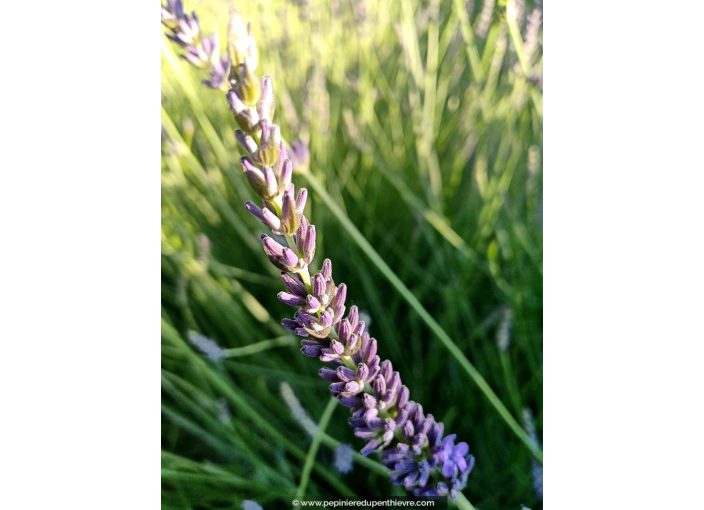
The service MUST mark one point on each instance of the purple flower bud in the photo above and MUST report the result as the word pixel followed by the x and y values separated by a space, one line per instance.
pixel 426 426
pixel 272 248
pixel 402 417
pixel 338 302
pixel 263 215
pixel 326 270
pixel 353 317
pixel 379 386
pixel 362 372
pixel 326 319
pixel 266 105
pixel 346 374
pixel 344 331
pixel 386 369
pixel 350 401
pixel 312 304
pixel 301 200
pixel 285 177
pixel 269 150
pixel 370 447
pixel 435 434
pixel 289 218
pixel 291 299
pixel 408 430
pixel 246 141
pixel 357 422
pixel 294 283
pixel 246 118
pixel 329 374
pixel 256 179
pixel 279 167
pixel 417 415
pixel 403 398
pixel 375 423
pixel 290 324
pixel 271 220
pixel 411 479
pixel 313 350
pixel 338 387
pixel 337 347
pixel 281 257
pixel 368 401
pixel 352 388
pixel 373 367
pixel 291 257
pixel 394 382
pixel 365 432
pixel 271 185
pixel 318 285
pixel 309 245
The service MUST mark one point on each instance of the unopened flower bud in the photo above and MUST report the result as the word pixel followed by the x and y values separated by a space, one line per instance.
pixel 248 87
pixel 266 104
pixel 269 150
pixel 247 118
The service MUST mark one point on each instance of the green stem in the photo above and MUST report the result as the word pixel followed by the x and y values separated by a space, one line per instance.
pixel 511 385
pixel 422 312
pixel 260 346
pixel 463 503
pixel 315 445
pixel 468 36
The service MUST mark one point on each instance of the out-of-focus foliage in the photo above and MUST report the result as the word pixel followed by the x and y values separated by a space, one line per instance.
pixel 432 146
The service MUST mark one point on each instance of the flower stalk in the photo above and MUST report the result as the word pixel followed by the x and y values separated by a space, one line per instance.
pixel 411 443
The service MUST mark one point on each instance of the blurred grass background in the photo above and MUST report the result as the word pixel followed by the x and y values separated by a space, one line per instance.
pixel 424 123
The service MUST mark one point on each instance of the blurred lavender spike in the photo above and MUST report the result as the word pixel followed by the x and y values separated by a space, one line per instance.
pixel 300 157
pixel 207 346
pixel 300 414
pixel 536 470
pixel 201 51
pixel 172 13
pixel 218 73
pixel 343 459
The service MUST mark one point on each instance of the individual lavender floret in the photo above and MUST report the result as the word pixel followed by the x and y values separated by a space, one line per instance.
pixel 454 457
pixel 209 347
pixel 344 459
pixel 251 505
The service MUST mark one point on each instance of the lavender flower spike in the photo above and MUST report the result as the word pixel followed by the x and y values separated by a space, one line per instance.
pixel 412 444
